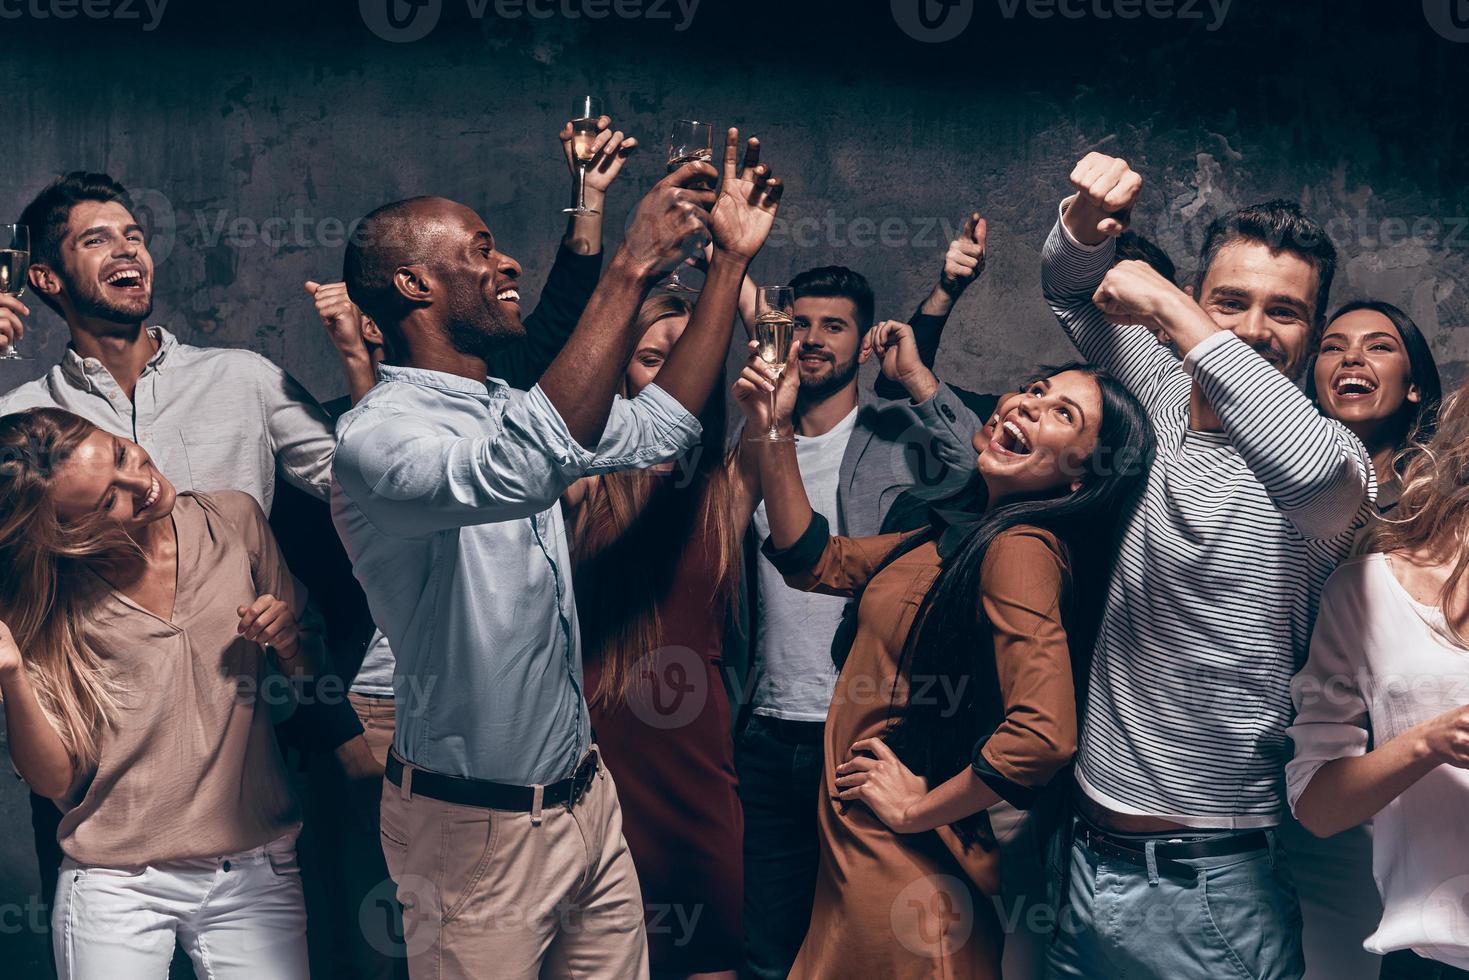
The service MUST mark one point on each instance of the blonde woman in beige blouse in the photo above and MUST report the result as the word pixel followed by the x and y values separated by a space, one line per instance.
pixel 134 627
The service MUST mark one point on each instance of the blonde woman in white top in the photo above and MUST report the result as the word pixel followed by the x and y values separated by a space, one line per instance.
pixel 1382 724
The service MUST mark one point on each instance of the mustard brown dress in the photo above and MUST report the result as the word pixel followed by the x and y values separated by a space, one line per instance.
pixel 917 906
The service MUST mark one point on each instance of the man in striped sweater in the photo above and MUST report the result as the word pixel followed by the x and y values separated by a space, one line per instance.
pixel 1251 503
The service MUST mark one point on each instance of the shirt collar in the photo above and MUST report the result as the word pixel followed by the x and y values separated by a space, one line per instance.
pixel 84 371
pixel 425 378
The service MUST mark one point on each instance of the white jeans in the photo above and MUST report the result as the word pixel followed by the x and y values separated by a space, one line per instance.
pixel 238 916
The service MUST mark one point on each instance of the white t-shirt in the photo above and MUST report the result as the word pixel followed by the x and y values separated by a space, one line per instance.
pixel 794 628
pixel 1380 657
pixel 375 677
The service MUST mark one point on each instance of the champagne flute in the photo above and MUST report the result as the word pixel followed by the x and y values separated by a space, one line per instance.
pixel 583 142
pixel 775 330
pixel 690 141
pixel 15 260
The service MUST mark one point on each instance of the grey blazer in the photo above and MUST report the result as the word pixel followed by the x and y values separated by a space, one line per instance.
pixel 895 446
pixel 898 446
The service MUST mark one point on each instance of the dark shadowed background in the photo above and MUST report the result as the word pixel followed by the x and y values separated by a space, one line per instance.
pixel 254 134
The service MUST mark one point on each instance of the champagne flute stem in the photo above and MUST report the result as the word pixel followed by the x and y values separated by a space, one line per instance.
pixel 774 430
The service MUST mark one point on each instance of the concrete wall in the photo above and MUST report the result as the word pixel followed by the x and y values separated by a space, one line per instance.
pixel 258 133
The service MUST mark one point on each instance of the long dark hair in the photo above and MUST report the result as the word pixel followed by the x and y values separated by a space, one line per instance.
pixel 1416 422
pixel 951 643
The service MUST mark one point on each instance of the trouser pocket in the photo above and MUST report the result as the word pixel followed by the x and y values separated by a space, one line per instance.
pixel 1248 910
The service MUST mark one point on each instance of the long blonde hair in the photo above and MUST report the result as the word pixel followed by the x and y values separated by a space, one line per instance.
pixel 630 532
pixel 46 593
pixel 1432 516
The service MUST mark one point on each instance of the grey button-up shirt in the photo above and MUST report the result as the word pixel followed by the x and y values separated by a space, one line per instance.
pixel 200 412
pixel 446 495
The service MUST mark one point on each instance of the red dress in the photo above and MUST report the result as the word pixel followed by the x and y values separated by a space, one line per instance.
pixel 669 745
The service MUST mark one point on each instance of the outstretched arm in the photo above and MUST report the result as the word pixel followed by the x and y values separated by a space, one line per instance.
pixel 609 152
pixel 801 545
pixel 581 381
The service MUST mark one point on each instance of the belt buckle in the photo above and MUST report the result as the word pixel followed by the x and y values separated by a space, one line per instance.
pixel 581 783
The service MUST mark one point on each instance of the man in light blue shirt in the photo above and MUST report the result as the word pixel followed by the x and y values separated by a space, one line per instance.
pixel 446 491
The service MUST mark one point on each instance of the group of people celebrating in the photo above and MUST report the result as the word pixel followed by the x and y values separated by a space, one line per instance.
pixel 1192 609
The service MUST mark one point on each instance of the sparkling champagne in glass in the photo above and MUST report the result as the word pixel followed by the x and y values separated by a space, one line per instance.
pixel 689 142
pixel 775 330
pixel 15 260
pixel 583 140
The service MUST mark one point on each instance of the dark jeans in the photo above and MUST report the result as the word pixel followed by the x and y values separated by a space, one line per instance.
pixel 1404 964
pixel 780 770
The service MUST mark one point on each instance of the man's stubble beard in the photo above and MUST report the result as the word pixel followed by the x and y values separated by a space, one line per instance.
pixel 482 330
pixel 820 391
pixel 99 308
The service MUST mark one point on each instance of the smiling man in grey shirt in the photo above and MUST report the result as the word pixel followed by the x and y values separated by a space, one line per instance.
pixel 211 418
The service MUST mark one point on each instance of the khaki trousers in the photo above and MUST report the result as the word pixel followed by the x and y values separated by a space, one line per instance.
pixel 494 893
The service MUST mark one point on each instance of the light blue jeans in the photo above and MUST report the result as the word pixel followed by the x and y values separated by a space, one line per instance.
pixel 1237 918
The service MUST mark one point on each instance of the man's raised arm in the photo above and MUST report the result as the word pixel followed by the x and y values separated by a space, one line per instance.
pixel 581 381
pixel 1078 254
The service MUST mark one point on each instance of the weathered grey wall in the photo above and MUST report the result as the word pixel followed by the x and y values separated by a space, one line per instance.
pixel 294 121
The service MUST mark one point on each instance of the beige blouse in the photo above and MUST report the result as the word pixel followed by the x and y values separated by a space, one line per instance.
pixel 190 767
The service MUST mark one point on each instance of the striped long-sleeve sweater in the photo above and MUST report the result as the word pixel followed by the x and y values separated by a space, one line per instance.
pixel 1214 595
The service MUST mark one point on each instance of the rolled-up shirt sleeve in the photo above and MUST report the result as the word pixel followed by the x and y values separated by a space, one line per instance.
pixel 411 478
pixel 644 431
pixel 1331 711
pixel 299 429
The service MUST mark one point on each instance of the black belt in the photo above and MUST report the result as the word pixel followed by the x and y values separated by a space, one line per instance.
pixel 1169 853
pixel 794 732
pixel 494 796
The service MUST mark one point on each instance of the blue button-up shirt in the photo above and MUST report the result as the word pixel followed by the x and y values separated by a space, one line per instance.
pixel 445 492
